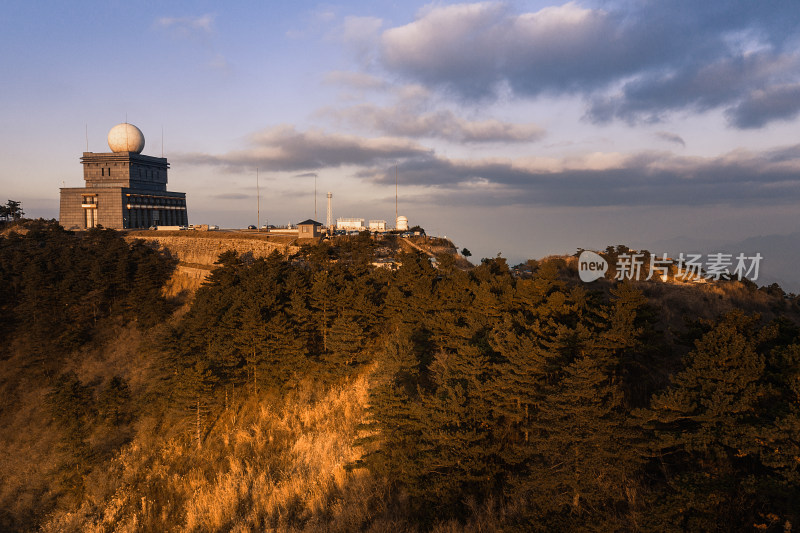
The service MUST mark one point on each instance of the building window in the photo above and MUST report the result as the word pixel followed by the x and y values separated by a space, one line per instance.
pixel 103 171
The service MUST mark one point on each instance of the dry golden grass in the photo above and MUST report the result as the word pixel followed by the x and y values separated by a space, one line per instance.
pixel 274 464
pixel 185 280
pixel 27 460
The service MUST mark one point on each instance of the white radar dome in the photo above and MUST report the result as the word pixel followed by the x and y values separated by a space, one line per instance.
pixel 402 223
pixel 126 138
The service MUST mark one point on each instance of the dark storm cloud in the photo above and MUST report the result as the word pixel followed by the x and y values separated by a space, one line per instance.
pixel 283 148
pixel 634 60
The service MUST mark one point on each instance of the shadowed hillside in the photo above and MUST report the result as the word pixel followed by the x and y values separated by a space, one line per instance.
pixel 318 392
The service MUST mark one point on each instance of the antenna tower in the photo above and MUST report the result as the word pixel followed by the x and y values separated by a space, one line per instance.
pixel 330 212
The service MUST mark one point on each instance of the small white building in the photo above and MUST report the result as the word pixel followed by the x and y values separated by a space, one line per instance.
pixel 350 224
pixel 377 225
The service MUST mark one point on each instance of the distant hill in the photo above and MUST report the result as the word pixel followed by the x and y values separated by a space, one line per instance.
pixel 780 252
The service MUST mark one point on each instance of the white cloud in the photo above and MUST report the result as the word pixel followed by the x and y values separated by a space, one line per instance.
pixel 187 26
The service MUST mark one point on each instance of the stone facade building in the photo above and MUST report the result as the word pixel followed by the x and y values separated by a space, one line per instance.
pixel 124 189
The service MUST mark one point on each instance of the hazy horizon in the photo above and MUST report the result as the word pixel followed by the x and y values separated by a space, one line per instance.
pixel 520 128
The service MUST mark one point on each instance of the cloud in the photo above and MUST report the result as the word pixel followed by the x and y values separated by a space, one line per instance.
pixel 356 80
pixel 199 31
pixel 634 60
pixel 359 31
pixel 283 148
pixel 700 87
pixel 233 196
pixel 738 178
pixel 764 105
pixel 670 137
pixel 187 26
pixel 360 35
pixel 314 22
pixel 650 178
pixel 218 62
pixel 411 116
pixel 407 120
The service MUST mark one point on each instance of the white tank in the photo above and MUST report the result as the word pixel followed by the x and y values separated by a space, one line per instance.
pixel 402 223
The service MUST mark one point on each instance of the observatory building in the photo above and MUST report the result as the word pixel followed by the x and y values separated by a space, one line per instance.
pixel 124 189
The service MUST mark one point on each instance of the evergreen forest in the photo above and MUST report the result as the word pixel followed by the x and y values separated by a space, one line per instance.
pixel 316 392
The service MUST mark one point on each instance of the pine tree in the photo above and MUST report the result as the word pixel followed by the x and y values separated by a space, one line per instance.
pixel 71 405
pixel 457 455
pixel 322 301
pixel 560 406
pixel 345 342
pixel 113 402
pixel 703 428
pixel 248 337
pixel 391 435
pixel 286 353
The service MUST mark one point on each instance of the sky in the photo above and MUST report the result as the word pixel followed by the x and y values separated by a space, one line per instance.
pixel 521 128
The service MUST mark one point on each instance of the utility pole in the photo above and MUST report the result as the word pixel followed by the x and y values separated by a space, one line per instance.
pixel 258 203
